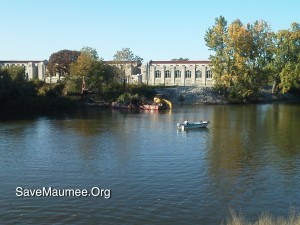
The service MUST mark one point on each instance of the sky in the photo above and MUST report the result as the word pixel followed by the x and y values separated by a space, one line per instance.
pixel 152 29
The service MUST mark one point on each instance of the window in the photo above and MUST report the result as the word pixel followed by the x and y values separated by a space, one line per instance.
pixel 188 74
pixel 157 74
pixel 167 74
pixel 198 74
pixel 208 74
pixel 177 74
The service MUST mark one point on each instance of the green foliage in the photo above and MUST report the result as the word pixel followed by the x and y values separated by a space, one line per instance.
pixel 101 74
pixel 126 55
pixel 82 67
pixel 110 92
pixel 72 84
pixel 13 83
pixel 142 89
pixel 125 98
pixel 180 59
pixel 243 53
pixel 51 90
pixel 287 60
pixel 95 72
pixel 91 52
pixel 130 99
pixel 17 94
pixel 17 73
pixel 136 95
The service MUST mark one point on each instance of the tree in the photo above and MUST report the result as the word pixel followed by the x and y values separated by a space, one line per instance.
pixel 180 59
pixel 287 60
pixel 16 73
pixel 242 57
pixel 82 66
pixel 60 61
pixel 91 52
pixel 215 39
pixel 81 69
pixel 95 72
pixel 126 55
pixel 13 83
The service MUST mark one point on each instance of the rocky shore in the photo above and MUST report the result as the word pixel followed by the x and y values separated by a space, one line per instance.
pixel 207 95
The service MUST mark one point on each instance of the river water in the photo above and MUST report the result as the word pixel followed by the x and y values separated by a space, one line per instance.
pixel 248 160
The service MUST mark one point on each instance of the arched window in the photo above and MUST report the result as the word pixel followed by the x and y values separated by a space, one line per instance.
pixel 188 74
pixel 177 74
pixel 208 74
pixel 198 74
pixel 157 74
pixel 167 74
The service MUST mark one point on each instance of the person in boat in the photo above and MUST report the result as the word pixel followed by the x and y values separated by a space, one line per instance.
pixel 186 122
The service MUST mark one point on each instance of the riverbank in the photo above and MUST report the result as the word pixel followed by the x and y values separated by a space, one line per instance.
pixel 207 95
pixel 177 95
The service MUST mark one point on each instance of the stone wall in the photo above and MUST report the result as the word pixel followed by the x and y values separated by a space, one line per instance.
pixel 192 95
pixel 207 95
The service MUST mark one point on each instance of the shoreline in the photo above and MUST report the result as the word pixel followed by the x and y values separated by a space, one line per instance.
pixel 207 95
pixel 179 96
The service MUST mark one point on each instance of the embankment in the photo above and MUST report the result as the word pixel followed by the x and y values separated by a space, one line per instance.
pixel 207 95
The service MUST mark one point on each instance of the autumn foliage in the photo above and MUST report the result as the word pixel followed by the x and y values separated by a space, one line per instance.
pixel 247 57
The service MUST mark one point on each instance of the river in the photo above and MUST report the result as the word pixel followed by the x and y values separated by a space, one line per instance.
pixel 247 159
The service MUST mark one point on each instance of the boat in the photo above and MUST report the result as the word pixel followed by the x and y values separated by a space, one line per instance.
pixel 192 125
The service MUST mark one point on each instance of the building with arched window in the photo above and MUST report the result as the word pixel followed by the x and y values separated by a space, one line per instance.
pixel 181 73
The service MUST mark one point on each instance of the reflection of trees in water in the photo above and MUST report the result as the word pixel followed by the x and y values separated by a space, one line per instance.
pixel 247 137
pixel 286 133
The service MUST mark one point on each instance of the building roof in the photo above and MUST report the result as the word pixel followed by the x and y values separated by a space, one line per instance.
pixel 21 61
pixel 121 62
pixel 180 62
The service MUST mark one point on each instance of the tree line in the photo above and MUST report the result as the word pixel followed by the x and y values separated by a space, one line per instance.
pixel 76 65
pixel 249 56
pixel 245 58
pixel 17 93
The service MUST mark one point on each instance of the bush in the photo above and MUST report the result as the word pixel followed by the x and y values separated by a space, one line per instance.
pixel 142 89
pixel 51 90
pixel 128 98
pixel 72 84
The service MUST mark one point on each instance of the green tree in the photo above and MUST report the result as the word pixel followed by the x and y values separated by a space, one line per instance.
pixel 95 72
pixel 242 56
pixel 180 59
pixel 13 83
pixel 82 66
pixel 287 60
pixel 215 39
pixel 16 73
pixel 91 52
pixel 126 55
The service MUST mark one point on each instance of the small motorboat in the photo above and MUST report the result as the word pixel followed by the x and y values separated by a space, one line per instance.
pixel 192 125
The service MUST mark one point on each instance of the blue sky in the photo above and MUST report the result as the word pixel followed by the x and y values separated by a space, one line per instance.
pixel 152 29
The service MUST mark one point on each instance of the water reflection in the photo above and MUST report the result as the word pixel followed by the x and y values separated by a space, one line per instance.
pixel 247 158
pixel 246 150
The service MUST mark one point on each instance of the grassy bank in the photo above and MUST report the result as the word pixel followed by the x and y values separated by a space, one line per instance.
pixel 265 219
